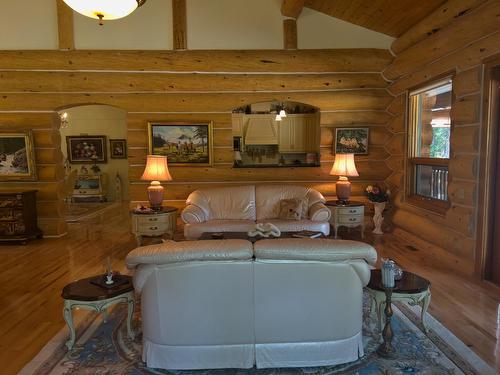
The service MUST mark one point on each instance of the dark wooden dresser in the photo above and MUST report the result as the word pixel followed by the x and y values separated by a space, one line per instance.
pixel 18 218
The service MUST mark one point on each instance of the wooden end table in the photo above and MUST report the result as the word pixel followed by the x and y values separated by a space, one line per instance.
pixel 348 215
pixel 154 224
pixel 84 294
pixel 412 289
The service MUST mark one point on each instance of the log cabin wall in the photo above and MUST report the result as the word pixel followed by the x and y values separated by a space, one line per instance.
pixel 345 84
pixel 49 164
pixel 455 39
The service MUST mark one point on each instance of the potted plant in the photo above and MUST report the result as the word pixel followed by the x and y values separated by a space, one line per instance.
pixel 379 198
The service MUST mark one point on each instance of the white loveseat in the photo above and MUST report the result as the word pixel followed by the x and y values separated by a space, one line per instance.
pixel 231 304
pixel 237 209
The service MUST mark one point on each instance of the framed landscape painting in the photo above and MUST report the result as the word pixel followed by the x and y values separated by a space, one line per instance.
pixel 351 141
pixel 118 148
pixel 86 148
pixel 17 157
pixel 182 143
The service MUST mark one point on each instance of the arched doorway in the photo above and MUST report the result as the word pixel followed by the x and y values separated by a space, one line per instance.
pixel 94 143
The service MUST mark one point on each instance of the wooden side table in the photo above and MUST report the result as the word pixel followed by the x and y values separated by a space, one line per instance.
pixel 84 294
pixel 154 224
pixel 413 289
pixel 350 215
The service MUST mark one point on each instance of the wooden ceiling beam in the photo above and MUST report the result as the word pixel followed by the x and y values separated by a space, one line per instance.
pixel 179 24
pixel 65 26
pixel 292 8
pixel 290 33
pixel 268 61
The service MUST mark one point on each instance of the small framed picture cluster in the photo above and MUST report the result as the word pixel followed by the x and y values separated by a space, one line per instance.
pixel 93 149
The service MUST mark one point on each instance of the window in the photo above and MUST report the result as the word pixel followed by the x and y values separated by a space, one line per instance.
pixel 429 144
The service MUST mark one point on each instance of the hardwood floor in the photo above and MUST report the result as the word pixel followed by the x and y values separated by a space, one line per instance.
pixel 33 276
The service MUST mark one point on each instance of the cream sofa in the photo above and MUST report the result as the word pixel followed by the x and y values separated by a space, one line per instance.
pixel 237 209
pixel 231 304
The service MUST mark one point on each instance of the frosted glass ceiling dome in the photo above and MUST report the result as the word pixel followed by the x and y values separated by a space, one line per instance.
pixel 104 10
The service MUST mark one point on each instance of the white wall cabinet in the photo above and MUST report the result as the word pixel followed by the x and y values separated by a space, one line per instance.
pixel 238 120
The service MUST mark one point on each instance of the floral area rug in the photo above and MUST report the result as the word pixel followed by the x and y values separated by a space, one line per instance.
pixel 104 348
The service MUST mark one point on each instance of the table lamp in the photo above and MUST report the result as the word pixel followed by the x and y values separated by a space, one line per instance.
pixel 156 170
pixel 343 167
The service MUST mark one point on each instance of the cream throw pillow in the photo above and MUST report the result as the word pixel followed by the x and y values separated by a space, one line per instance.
pixel 290 209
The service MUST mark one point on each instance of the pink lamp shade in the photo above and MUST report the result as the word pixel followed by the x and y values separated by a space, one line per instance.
pixel 156 170
pixel 343 167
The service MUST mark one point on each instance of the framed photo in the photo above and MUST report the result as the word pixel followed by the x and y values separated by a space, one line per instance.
pixel 182 143
pixel 118 148
pixel 351 141
pixel 86 148
pixel 17 156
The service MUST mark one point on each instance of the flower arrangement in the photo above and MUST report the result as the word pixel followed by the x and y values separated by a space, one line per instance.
pixel 376 194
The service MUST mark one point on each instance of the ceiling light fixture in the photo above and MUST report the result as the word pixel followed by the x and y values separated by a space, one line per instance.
pixel 104 10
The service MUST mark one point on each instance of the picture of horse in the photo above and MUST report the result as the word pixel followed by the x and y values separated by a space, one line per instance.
pixel 182 143
pixel 351 141
pixel 17 157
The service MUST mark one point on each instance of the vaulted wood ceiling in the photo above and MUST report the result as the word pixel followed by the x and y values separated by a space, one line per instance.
pixel 391 17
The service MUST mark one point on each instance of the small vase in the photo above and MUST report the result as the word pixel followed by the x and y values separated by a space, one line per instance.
pixel 378 219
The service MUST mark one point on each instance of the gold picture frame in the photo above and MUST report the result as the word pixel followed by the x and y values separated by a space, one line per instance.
pixel 17 156
pixel 183 143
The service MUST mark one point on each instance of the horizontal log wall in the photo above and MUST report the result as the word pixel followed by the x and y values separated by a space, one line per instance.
pixel 346 85
pixel 459 46
pixel 49 164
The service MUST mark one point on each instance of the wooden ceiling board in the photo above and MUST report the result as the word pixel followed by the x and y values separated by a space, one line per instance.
pixel 389 17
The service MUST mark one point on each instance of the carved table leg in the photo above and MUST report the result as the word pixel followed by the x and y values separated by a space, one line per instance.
pixel 386 349
pixel 105 315
pixel 68 317
pixel 380 313
pixel 425 305
pixel 138 239
pixel 131 307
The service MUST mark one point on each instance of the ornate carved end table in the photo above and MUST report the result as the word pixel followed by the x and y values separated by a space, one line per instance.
pixel 88 295
pixel 349 215
pixel 413 289
pixel 154 224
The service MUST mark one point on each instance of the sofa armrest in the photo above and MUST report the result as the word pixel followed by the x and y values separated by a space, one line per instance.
pixel 193 214
pixel 319 212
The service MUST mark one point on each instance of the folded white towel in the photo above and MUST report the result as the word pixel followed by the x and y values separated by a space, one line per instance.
pixel 265 230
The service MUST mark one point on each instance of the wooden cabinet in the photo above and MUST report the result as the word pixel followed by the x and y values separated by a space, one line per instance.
pixel 90 187
pixel 18 217
pixel 299 133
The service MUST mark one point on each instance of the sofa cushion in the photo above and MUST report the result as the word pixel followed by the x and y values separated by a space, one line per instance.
pixel 233 202
pixel 318 249
pixel 268 197
pixel 185 251
pixel 194 231
pixel 299 225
